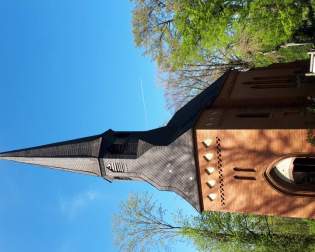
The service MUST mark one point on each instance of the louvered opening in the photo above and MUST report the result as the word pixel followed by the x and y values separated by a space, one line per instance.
pixel 244 177
pixel 244 169
pixel 124 150
pixel 254 115
pixel 272 82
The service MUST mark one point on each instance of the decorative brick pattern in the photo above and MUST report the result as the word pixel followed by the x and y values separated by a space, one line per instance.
pixel 220 170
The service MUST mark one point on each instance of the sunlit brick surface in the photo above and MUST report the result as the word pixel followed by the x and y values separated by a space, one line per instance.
pixel 256 149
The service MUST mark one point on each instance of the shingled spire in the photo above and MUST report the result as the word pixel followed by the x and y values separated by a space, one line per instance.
pixel 163 157
pixel 77 156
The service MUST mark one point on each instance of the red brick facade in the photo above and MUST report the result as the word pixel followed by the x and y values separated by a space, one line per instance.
pixel 259 118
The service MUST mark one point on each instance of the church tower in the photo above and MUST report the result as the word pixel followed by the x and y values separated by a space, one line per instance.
pixel 239 146
pixel 253 153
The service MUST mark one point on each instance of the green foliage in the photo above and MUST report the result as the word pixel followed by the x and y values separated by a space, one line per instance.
pixel 273 22
pixel 181 32
pixel 143 225
pixel 236 232
pixel 206 27
pixel 186 35
pixel 209 28
pixel 310 137
pixel 282 55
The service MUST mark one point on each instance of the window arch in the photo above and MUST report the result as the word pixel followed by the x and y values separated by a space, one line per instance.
pixel 293 175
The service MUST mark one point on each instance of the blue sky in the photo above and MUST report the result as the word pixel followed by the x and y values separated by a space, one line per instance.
pixel 69 69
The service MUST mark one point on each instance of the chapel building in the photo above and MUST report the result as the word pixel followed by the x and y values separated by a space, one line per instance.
pixel 241 145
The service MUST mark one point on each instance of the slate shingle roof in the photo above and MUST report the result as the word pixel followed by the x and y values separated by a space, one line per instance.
pixel 163 157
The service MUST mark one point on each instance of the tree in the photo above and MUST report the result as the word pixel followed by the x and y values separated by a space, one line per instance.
pixel 207 28
pixel 165 29
pixel 181 85
pixel 180 32
pixel 143 225
pixel 153 27
pixel 195 40
pixel 236 232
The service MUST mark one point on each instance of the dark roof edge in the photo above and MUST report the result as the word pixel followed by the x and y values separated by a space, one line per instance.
pixel 183 120
pixel 186 117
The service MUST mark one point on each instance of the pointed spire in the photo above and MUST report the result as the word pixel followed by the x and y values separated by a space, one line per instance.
pixel 79 155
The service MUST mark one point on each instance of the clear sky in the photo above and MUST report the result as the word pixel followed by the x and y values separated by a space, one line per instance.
pixel 69 69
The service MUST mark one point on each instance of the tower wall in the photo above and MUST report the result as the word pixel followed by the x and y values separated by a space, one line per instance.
pixel 257 150
pixel 259 118
pixel 170 168
pixel 278 84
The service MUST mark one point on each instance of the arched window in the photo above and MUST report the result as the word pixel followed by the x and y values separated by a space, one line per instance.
pixel 304 171
pixel 293 175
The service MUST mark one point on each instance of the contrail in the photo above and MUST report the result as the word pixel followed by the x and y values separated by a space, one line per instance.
pixel 144 105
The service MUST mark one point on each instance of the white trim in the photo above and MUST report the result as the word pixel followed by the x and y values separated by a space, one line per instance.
pixel 312 64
